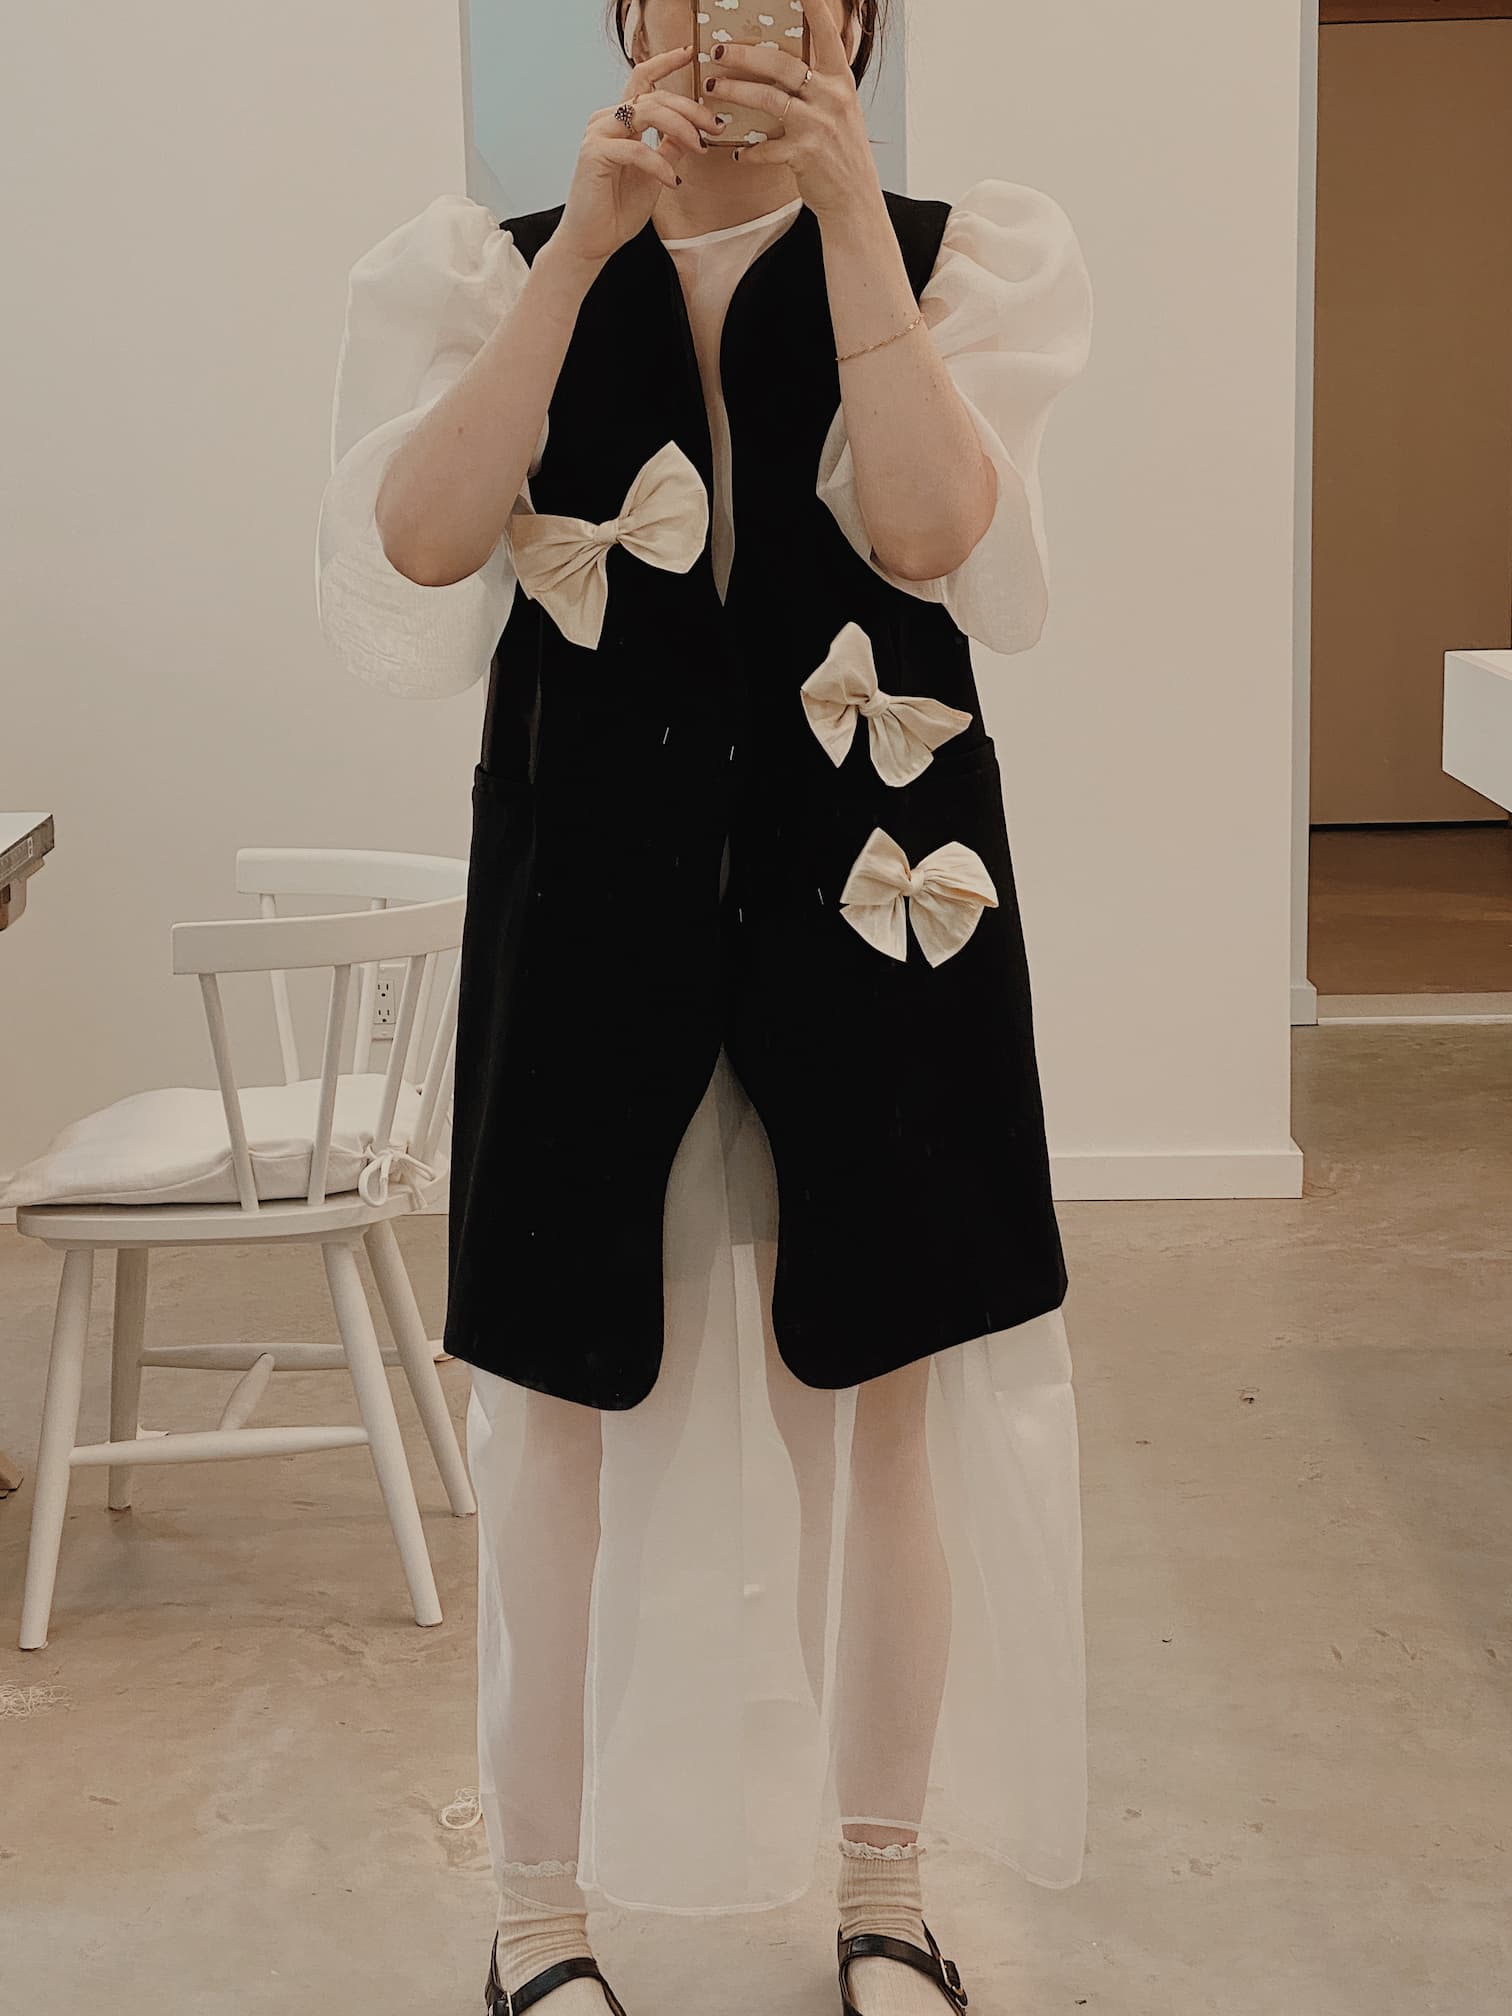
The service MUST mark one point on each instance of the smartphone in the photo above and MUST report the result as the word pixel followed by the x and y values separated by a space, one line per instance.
pixel 774 24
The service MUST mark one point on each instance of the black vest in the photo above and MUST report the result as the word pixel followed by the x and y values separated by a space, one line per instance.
pixel 601 970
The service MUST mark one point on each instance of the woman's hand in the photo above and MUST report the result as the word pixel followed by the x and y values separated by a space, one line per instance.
pixel 824 139
pixel 618 177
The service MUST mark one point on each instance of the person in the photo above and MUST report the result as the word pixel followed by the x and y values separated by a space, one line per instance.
pixel 716 469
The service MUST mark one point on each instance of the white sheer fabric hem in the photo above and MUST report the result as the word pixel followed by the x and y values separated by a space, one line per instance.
pixel 690 1561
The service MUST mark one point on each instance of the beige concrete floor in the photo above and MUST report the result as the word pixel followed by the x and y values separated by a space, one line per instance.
pixel 1298 1487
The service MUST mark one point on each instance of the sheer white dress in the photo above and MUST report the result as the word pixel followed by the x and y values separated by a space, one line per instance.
pixel 715 1626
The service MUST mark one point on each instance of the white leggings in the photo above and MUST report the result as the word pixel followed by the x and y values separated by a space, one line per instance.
pixel 540 1517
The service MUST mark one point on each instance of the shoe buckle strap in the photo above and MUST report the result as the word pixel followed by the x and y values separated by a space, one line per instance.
pixel 950 1974
pixel 944 1973
pixel 497 2000
pixel 500 2002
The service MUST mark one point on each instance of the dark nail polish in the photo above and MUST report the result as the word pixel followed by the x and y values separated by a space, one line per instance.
pixel 718 51
pixel 708 83
pixel 679 181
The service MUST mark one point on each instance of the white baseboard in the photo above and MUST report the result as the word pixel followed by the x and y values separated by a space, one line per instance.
pixel 1304 1004
pixel 1253 1172
pixel 1359 1008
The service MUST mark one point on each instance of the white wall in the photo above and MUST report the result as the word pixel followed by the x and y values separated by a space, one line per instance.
pixel 197 182
pixel 191 186
pixel 1147 740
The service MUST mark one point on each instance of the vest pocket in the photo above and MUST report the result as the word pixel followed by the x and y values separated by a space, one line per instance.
pixel 496 786
pixel 960 783
pixel 499 855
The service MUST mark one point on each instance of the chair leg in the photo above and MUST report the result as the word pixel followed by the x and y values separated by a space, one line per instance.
pixel 60 1427
pixel 386 1445
pixel 397 1293
pixel 127 1335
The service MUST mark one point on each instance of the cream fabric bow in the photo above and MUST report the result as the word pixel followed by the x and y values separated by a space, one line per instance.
pixel 904 732
pixel 379 1165
pixel 944 897
pixel 562 562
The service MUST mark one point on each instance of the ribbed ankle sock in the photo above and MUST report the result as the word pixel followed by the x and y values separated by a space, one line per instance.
pixel 542 1921
pixel 879 1890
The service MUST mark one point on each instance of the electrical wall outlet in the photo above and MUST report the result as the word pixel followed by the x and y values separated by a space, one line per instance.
pixel 386 996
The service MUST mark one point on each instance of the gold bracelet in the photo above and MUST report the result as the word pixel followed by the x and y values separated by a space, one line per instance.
pixel 918 318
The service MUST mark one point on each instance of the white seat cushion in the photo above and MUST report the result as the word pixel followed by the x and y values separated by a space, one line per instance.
pixel 171 1147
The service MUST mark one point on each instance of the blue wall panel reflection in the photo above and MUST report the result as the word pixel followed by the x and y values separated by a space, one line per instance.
pixel 537 68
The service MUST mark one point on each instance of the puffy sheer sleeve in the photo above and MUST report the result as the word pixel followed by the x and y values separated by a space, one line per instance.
pixel 1009 305
pixel 420 305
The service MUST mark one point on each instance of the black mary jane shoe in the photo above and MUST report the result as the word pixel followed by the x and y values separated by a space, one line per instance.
pixel 878 1946
pixel 498 2001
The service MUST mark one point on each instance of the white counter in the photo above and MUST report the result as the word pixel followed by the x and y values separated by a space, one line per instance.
pixel 1478 721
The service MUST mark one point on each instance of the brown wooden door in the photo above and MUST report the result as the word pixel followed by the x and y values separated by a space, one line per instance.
pixel 1412 540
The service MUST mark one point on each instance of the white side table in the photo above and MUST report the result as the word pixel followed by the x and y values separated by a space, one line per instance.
pixel 1478 721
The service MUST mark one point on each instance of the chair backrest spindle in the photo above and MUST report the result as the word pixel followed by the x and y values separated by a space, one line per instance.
pixel 278 980
pixel 437 1080
pixel 225 1071
pixel 362 1046
pixel 330 1071
pixel 393 1079
pixel 414 1064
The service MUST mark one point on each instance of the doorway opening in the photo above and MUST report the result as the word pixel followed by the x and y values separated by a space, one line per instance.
pixel 1408 889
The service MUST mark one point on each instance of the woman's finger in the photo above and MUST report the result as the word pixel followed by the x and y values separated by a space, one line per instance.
pixel 644 109
pixel 668 121
pixel 758 64
pixel 672 141
pixel 672 129
pixel 673 126
pixel 760 97
pixel 656 67
pixel 824 37
pixel 672 146
pixel 689 107
pixel 664 112
pixel 637 155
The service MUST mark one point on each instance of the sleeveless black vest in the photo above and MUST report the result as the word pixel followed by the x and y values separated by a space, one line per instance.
pixel 601 969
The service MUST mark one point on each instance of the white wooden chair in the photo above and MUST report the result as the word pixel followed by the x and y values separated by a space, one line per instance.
pixel 415 915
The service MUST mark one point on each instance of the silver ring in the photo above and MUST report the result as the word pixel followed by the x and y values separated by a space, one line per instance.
pixel 626 116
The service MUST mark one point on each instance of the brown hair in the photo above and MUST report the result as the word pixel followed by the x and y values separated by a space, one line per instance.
pixel 873 27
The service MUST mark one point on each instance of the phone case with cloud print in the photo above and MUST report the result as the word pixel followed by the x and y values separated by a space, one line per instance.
pixel 776 24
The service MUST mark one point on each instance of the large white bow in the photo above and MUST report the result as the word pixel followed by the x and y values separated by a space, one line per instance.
pixel 562 562
pixel 944 897
pixel 904 732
